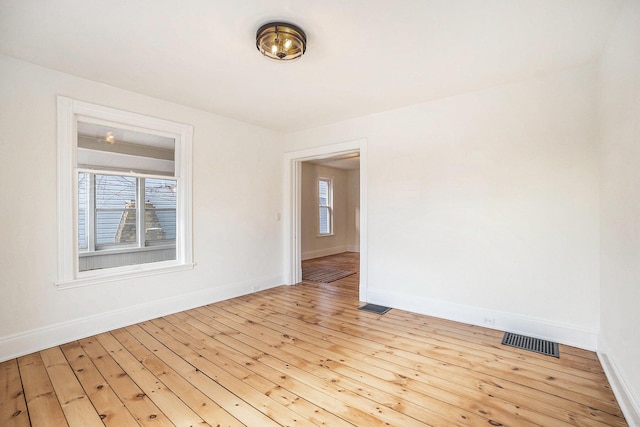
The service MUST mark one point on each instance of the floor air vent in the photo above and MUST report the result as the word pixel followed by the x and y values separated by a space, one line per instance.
pixel 378 309
pixel 532 344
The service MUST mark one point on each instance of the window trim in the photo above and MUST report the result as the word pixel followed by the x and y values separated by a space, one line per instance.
pixel 329 206
pixel 69 111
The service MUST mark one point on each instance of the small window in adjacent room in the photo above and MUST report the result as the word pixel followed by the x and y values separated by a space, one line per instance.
pixel 325 206
pixel 124 199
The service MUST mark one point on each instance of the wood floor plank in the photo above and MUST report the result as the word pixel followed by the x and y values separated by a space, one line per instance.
pixel 42 403
pixel 567 365
pixel 264 379
pixel 474 354
pixel 75 404
pixel 386 376
pixel 584 408
pixel 589 392
pixel 287 361
pixel 396 376
pixel 137 402
pixel 361 414
pixel 152 338
pixel 183 345
pixel 154 388
pixel 110 408
pixel 202 405
pixel 426 334
pixel 472 337
pixel 13 407
pixel 422 322
pixel 520 395
pixel 304 356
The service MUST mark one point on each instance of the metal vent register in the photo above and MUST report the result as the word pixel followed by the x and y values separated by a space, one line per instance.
pixel 378 309
pixel 532 344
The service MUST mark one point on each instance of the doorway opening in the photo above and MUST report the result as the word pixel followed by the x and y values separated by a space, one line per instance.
pixel 323 230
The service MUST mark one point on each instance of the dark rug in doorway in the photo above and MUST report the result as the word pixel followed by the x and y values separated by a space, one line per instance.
pixel 323 274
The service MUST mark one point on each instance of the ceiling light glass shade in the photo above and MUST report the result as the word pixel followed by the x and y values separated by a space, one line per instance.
pixel 281 41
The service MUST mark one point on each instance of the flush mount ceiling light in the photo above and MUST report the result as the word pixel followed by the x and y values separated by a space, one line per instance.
pixel 110 138
pixel 281 41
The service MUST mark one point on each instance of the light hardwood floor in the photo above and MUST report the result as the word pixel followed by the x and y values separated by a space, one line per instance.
pixel 299 356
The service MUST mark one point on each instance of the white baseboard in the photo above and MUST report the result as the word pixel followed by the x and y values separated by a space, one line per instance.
pixel 317 253
pixel 353 248
pixel 628 404
pixel 17 345
pixel 503 321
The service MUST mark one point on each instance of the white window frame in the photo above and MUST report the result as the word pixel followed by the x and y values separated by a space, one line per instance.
pixel 329 181
pixel 69 112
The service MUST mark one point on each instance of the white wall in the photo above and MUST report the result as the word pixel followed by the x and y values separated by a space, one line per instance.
pixel 484 207
pixel 312 245
pixel 620 222
pixel 353 210
pixel 238 247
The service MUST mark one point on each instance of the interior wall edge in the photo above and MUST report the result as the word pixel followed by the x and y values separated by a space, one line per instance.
pixel 28 342
pixel 628 404
pixel 493 319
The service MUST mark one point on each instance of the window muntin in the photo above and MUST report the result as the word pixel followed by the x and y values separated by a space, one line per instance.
pixel 325 206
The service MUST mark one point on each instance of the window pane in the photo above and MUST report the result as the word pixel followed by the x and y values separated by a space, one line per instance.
pixel 160 210
pixel 323 192
pixel 83 180
pixel 324 202
pixel 115 209
pixel 325 224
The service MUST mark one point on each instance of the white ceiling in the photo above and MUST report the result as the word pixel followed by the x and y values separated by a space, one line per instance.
pixel 363 56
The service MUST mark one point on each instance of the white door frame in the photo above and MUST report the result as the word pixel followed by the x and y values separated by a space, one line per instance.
pixel 292 220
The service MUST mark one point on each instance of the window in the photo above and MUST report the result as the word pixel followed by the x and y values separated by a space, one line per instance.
pixel 325 206
pixel 124 196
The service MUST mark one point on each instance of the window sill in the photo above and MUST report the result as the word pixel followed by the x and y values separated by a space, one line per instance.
pixel 324 235
pixel 131 272
pixel 125 250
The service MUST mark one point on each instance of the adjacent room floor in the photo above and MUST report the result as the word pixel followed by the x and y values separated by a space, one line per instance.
pixel 299 356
